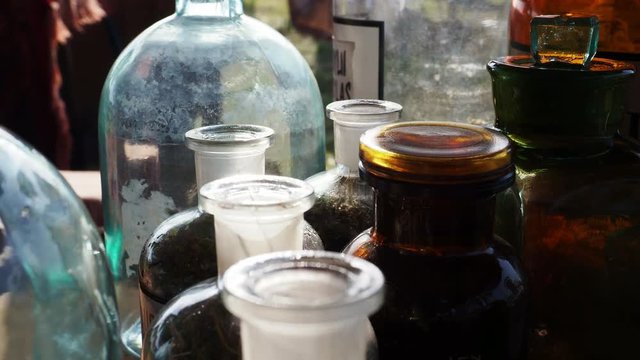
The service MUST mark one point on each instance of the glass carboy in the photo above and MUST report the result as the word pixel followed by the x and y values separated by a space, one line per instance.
pixel 207 64
pixel 253 215
pixel 454 288
pixel 580 188
pixel 309 305
pixel 344 202
pixel 57 299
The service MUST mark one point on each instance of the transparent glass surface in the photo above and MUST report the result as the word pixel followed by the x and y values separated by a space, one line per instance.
pixel 207 64
pixel 343 208
pixel 310 305
pixel 57 299
pixel 435 53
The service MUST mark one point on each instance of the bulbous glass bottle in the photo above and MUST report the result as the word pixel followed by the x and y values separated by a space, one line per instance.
pixel 435 187
pixel 309 305
pixel 207 64
pixel 344 202
pixel 253 215
pixel 580 188
pixel 181 252
pixel 57 299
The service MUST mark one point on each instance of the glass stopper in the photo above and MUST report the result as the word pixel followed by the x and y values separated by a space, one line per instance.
pixel 568 40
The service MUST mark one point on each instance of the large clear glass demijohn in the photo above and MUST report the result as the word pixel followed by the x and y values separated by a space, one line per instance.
pixel 207 64
pixel 57 299
pixel 344 202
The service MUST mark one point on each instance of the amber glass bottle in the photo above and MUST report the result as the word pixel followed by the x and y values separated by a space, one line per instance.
pixel 454 289
pixel 619 36
pixel 580 186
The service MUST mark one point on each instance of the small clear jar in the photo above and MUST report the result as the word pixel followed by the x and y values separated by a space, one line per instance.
pixel 344 202
pixel 308 305
pixel 253 215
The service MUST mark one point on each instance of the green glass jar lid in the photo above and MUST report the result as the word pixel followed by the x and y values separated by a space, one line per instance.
pixel 437 153
pixel 220 137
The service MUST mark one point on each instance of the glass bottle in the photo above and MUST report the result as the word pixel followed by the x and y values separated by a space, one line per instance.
pixel 253 215
pixel 308 305
pixel 428 56
pixel 57 299
pixel 344 203
pixel 619 37
pixel 207 64
pixel 454 288
pixel 181 251
pixel 580 184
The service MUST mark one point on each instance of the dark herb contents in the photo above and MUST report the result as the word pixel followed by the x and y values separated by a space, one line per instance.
pixel 454 289
pixel 580 188
pixel 344 205
pixel 343 212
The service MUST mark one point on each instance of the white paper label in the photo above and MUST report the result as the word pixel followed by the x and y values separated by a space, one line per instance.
pixel 358 59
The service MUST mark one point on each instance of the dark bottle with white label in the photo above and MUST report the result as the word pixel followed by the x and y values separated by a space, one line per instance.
pixel 454 288
pixel 428 56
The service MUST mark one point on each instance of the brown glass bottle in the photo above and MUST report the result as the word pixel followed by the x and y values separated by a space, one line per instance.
pixel 454 289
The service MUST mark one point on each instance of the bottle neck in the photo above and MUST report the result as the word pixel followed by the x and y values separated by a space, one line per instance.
pixel 340 340
pixel 240 237
pixel 434 224
pixel 214 166
pixel 346 146
pixel 209 8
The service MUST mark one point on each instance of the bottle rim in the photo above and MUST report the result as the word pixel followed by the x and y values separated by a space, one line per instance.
pixel 256 196
pixel 303 287
pixel 436 153
pixel 229 138
pixel 363 112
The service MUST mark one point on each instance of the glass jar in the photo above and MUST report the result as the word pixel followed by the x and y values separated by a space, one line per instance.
pixel 428 56
pixel 619 37
pixel 308 305
pixel 580 184
pixel 57 299
pixel 207 64
pixel 253 215
pixel 435 187
pixel 344 203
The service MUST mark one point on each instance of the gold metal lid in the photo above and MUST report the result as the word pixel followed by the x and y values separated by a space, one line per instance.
pixel 436 153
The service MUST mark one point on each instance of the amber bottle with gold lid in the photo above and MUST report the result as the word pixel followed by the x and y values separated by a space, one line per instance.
pixel 580 188
pixel 454 289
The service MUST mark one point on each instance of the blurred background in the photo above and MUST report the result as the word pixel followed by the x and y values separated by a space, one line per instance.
pixel 57 54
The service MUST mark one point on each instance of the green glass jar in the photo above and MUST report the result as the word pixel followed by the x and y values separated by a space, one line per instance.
pixel 580 188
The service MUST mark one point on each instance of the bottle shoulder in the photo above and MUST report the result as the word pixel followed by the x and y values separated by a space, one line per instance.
pixel 194 323
pixel 179 253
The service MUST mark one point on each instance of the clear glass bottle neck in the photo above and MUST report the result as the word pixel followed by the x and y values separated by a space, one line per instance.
pixel 434 223
pixel 256 215
pixel 346 146
pixel 209 8
pixel 303 305
pixel 214 166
